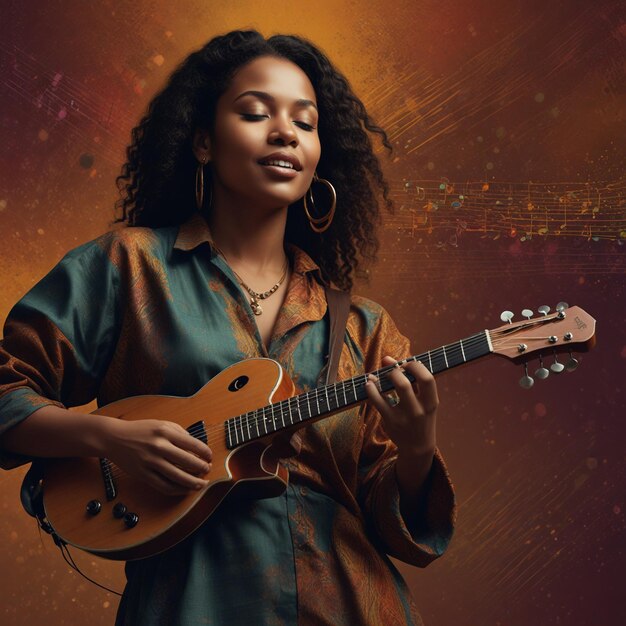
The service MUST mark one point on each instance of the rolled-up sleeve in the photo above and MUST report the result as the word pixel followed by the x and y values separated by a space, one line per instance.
pixel 58 339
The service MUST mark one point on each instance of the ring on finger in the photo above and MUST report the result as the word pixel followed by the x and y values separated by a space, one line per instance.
pixel 392 398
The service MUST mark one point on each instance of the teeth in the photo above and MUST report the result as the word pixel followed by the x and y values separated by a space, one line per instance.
pixel 279 163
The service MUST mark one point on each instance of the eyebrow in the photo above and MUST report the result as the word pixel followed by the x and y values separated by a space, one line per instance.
pixel 262 95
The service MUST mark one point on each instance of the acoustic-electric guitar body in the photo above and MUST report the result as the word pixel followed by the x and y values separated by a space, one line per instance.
pixel 72 486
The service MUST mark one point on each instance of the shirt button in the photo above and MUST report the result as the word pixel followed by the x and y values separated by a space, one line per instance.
pixel 303 491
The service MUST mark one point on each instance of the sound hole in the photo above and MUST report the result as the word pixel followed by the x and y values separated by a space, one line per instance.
pixel 238 383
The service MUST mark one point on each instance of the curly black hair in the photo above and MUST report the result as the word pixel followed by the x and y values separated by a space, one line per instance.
pixel 157 181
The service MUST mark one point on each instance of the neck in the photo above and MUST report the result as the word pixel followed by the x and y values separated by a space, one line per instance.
pixel 249 238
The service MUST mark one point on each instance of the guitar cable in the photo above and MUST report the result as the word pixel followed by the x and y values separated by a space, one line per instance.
pixel 44 525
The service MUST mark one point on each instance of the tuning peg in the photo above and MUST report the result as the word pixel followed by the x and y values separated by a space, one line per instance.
pixel 506 316
pixel 557 367
pixel 526 381
pixel 544 309
pixel 572 363
pixel 561 306
pixel 542 372
pixel 527 313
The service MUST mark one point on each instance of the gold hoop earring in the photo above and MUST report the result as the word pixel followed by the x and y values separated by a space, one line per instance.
pixel 200 183
pixel 314 222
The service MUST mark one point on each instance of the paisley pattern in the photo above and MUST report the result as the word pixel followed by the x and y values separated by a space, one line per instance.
pixel 142 311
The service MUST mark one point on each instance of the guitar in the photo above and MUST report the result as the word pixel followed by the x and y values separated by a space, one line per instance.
pixel 91 504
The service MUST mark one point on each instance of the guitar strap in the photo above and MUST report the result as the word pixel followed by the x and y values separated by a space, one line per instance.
pixel 338 309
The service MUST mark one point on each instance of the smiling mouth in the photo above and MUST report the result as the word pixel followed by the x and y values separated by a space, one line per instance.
pixel 278 163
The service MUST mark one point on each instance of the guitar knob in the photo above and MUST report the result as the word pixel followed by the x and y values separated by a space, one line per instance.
pixel 506 316
pixel 526 381
pixel 119 510
pixel 542 372
pixel 131 520
pixel 557 367
pixel 572 363
pixel 527 313
pixel 93 507
pixel 544 309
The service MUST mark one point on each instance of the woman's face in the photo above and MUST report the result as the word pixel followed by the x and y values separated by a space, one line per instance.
pixel 264 147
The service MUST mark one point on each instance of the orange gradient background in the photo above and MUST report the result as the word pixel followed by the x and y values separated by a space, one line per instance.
pixel 471 93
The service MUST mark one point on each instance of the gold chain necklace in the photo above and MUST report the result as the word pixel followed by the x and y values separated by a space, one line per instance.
pixel 255 296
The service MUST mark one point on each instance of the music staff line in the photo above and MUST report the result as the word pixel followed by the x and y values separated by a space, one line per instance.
pixel 517 210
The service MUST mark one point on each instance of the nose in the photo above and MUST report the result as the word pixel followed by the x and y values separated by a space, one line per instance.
pixel 283 132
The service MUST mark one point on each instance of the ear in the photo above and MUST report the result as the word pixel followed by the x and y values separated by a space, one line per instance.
pixel 202 145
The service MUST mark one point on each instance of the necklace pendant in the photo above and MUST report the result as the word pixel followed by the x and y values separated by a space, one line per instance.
pixel 256 307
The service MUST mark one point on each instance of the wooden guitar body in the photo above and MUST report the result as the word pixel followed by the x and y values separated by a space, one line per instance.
pixel 70 484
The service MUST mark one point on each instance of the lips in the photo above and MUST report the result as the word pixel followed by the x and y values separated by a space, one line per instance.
pixel 282 159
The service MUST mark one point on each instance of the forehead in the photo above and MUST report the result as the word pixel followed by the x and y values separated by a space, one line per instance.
pixel 278 77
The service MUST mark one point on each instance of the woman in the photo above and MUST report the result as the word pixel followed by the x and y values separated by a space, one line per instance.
pixel 223 263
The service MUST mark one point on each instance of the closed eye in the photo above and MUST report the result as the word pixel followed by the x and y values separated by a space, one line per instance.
pixel 304 126
pixel 256 117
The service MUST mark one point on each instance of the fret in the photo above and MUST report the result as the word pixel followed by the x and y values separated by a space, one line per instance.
pixel 455 355
pixel 445 356
pixel 236 431
pixel 438 362
pixel 229 435
pixel 248 426
pixel 337 403
pixel 272 418
pixel 462 351
pixel 345 399
pixel 430 363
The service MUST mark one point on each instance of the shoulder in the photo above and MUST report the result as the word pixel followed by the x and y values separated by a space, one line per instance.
pixel 373 330
pixel 131 240
pixel 124 247
pixel 367 316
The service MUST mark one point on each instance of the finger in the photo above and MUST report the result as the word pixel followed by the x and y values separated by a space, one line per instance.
pixel 375 397
pixel 185 460
pixel 425 385
pixel 184 440
pixel 178 477
pixel 402 385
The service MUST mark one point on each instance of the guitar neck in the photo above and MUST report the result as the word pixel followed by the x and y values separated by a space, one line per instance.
pixel 330 399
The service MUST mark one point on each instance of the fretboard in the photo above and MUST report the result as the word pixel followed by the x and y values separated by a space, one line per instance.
pixel 330 399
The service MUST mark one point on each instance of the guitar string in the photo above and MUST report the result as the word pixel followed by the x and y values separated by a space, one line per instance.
pixel 217 433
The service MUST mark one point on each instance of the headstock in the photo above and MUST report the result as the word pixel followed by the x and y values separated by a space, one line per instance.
pixel 565 330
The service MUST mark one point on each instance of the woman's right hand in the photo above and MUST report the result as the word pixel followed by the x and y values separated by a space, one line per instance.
pixel 161 453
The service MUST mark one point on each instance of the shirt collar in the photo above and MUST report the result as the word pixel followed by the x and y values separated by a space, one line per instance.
pixel 195 231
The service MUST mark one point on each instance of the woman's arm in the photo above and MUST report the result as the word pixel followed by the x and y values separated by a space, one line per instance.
pixel 161 453
pixel 411 425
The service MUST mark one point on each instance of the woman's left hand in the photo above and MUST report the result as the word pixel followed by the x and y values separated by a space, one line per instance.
pixel 410 421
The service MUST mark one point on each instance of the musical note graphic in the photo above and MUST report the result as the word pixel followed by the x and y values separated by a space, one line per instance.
pixel 518 210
